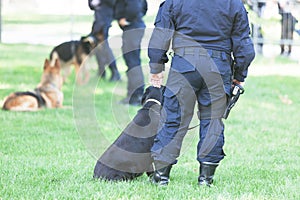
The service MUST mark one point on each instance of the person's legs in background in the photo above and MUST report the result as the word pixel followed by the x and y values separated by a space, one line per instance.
pixel 131 48
pixel 104 54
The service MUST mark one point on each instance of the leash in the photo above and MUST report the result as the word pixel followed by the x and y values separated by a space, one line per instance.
pixel 191 128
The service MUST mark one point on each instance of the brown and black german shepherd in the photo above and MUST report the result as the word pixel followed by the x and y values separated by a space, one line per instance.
pixel 47 94
pixel 74 53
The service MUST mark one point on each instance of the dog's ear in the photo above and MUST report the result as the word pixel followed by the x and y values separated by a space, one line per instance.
pixel 88 39
pixel 162 91
pixel 145 95
pixel 46 63
pixel 153 93
pixel 82 38
pixel 57 64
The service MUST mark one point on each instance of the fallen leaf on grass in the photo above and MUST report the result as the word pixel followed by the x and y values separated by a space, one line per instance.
pixel 285 99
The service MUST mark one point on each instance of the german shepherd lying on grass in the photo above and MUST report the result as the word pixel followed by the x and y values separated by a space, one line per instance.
pixel 129 156
pixel 47 94
pixel 73 53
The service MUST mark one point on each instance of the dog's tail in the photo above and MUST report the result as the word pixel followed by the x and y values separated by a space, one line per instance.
pixel 5 106
pixel 53 57
pixel 9 102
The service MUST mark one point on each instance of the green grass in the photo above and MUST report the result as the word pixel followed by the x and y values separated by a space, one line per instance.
pixel 276 60
pixel 43 156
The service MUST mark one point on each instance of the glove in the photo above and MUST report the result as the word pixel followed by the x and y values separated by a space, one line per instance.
pixel 156 80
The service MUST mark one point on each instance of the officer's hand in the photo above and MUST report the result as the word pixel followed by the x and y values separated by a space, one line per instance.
pixel 234 81
pixel 123 22
pixel 156 80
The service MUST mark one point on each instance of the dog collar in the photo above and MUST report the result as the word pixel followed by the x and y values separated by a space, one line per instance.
pixel 153 100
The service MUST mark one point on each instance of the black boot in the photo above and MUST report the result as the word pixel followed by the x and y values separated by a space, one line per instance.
pixel 161 174
pixel 289 50
pixel 207 171
pixel 281 49
pixel 115 75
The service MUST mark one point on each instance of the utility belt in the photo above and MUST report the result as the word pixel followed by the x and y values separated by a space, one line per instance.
pixel 200 51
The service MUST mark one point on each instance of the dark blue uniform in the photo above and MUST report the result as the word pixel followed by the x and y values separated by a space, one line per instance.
pixel 104 13
pixel 204 35
pixel 133 11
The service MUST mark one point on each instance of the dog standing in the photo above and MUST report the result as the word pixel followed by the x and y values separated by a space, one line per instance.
pixel 47 94
pixel 129 156
pixel 73 53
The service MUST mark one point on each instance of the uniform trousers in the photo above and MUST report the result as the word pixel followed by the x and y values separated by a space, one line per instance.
pixel 201 76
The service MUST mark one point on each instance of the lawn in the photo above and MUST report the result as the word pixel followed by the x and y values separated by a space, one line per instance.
pixel 51 154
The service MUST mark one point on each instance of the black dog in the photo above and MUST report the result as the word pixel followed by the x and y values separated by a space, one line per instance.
pixel 129 156
pixel 73 53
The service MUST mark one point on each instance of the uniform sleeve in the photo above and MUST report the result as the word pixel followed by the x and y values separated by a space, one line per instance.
pixel 161 38
pixel 90 5
pixel 243 50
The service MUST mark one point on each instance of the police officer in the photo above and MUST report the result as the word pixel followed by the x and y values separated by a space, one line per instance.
pixel 104 12
pixel 129 14
pixel 204 35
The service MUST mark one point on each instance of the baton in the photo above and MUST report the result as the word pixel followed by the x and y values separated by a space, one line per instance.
pixel 235 94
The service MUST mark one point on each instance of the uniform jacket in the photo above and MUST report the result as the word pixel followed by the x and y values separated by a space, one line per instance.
pixel 220 25
pixel 132 10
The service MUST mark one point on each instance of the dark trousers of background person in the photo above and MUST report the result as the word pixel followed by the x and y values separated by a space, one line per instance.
pixel 131 49
pixel 259 36
pixel 257 29
pixel 287 28
pixel 104 54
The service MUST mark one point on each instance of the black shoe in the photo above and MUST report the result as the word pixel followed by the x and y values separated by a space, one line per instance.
pixel 162 174
pixel 207 171
pixel 115 76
